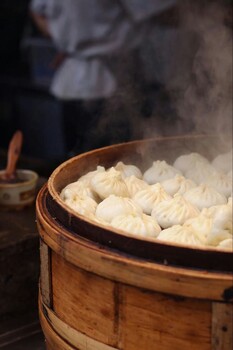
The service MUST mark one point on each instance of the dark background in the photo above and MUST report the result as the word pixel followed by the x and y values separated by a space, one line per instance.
pixel 25 102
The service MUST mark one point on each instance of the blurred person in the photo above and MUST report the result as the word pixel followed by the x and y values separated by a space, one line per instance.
pixel 97 43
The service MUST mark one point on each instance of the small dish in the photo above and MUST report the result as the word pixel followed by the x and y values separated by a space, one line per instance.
pixel 19 193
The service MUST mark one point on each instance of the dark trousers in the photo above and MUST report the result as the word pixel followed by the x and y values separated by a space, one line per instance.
pixel 79 118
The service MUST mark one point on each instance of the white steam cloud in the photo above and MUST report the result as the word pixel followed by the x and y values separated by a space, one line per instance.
pixel 207 99
pixel 198 79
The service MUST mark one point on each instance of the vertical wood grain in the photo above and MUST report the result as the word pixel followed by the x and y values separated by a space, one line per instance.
pixel 158 321
pixel 85 301
pixel 45 274
pixel 222 326
pixel 69 334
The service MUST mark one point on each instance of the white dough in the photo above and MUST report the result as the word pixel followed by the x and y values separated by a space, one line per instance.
pixel 210 227
pixel 174 211
pixel 178 184
pixel 204 196
pixel 179 234
pixel 221 182
pixel 86 179
pixel 114 206
pixel 143 225
pixel 159 171
pixel 134 185
pixel 226 244
pixel 109 182
pixel 128 170
pixel 223 162
pixel 199 173
pixel 186 162
pixel 82 205
pixel 150 196
pixel 78 188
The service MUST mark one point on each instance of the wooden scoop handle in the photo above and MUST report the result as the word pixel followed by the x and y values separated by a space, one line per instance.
pixel 13 154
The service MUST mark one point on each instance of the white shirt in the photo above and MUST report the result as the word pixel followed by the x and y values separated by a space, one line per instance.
pixel 89 31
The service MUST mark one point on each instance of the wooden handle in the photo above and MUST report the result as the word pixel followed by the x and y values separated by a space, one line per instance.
pixel 13 154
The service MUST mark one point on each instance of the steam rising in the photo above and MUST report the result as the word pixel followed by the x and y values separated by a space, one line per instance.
pixel 200 91
pixel 208 97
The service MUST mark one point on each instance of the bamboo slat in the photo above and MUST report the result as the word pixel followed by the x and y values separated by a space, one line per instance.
pixel 77 339
pixel 222 327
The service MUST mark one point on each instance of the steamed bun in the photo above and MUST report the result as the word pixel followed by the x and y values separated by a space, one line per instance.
pixel 178 184
pixel 179 234
pixel 223 162
pixel 159 171
pixel 204 196
pixel 150 196
pixel 143 225
pixel 128 170
pixel 222 216
pixel 109 182
pixel 226 244
pixel 174 211
pixel 211 227
pixel 114 206
pixel 186 162
pixel 78 188
pixel 86 179
pixel 82 205
pixel 135 184
pixel 200 173
pixel 221 182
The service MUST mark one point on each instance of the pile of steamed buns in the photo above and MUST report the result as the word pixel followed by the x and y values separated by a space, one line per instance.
pixel 189 202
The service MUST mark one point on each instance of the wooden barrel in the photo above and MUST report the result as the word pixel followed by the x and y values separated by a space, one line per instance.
pixel 101 290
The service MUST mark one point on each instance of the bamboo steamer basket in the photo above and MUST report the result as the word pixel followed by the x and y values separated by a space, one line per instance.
pixel 101 289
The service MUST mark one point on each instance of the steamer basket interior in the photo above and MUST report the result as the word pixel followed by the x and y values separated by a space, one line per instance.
pixel 140 153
